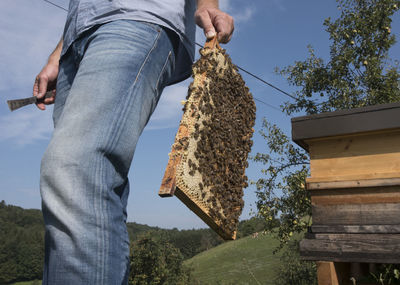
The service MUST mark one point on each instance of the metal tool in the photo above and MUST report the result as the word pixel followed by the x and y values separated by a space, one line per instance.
pixel 18 103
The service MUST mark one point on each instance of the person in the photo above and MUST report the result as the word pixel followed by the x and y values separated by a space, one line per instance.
pixel 107 74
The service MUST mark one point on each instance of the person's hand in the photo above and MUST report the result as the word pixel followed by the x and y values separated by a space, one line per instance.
pixel 215 22
pixel 45 81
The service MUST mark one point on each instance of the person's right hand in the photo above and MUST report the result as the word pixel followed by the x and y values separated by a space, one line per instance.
pixel 45 81
pixel 214 22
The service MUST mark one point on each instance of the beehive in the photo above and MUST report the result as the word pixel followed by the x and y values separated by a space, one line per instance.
pixel 354 188
pixel 206 168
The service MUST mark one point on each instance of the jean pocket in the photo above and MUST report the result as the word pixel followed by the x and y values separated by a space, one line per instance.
pixel 153 26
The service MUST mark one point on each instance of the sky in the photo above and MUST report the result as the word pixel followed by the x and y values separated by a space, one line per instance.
pixel 268 34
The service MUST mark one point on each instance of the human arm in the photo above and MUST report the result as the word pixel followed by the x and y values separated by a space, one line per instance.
pixel 46 80
pixel 213 21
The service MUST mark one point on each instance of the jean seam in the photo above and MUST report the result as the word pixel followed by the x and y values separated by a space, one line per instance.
pixel 147 56
pixel 162 70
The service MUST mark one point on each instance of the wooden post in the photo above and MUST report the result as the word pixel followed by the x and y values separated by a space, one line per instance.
pixel 333 273
pixel 326 273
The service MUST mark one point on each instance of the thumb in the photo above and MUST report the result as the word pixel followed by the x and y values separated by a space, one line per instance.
pixel 203 19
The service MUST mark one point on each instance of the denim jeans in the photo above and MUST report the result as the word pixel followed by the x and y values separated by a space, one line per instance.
pixel 109 84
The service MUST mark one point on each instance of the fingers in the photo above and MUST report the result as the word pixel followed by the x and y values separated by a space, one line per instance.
pixel 39 89
pixel 203 20
pixel 50 100
pixel 41 104
pixel 225 26
pixel 214 21
pixel 44 81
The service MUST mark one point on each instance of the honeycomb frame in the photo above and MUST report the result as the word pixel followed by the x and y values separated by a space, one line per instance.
pixel 206 167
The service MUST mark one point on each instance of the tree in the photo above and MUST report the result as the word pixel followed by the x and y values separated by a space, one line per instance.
pixel 358 73
pixel 155 261
pixel 293 271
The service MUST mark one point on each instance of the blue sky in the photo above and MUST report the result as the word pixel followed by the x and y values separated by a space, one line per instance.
pixel 268 34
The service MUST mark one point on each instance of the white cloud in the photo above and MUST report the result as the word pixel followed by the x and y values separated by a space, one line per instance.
pixel 241 11
pixel 29 32
pixel 26 126
pixel 245 15
pixel 279 5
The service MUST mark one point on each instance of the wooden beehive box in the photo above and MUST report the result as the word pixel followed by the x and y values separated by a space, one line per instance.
pixel 206 167
pixel 354 184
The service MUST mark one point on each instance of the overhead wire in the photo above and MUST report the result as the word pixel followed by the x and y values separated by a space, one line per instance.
pixel 54 4
pixel 240 68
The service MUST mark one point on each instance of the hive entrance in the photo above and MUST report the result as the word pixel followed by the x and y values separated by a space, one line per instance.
pixel 206 168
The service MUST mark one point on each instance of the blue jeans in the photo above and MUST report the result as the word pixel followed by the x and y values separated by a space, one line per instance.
pixel 109 84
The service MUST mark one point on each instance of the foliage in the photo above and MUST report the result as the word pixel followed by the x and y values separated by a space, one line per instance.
pixel 154 261
pixel 358 73
pixel 190 242
pixel 251 226
pixel 387 274
pixel 21 244
pixel 293 271
pixel 282 192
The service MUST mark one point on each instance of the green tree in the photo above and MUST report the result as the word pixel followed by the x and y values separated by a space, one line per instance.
pixel 359 72
pixel 293 271
pixel 21 244
pixel 155 261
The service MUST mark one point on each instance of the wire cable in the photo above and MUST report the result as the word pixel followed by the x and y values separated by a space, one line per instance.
pixel 54 4
pixel 267 104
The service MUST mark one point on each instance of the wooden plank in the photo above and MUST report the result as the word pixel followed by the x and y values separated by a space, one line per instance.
pixel 357 214
pixel 352 248
pixel 361 155
pixel 371 195
pixel 356 229
pixel 314 184
pixel 203 214
pixel 168 184
pixel 353 177
pixel 379 238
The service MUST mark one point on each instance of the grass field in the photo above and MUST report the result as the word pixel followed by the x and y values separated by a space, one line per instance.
pixel 245 261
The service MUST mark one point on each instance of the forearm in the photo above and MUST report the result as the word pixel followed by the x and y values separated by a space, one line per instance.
pixel 46 80
pixel 208 4
pixel 54 57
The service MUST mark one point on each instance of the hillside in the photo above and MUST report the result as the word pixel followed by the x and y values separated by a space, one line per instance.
pixel 22 241
pixel 245 261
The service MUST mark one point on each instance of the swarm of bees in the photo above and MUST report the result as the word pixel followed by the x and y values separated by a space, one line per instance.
pixel 219 113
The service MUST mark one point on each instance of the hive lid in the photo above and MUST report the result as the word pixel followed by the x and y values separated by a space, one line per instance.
pixel 345 122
